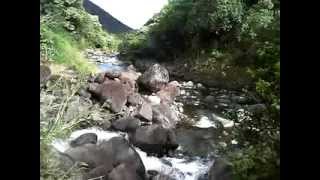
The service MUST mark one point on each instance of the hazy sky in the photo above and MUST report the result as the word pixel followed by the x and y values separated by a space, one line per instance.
pixel 133 13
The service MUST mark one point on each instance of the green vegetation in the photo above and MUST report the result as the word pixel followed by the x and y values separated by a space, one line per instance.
pixel 53 124
pixel 227 38
pixel 67 29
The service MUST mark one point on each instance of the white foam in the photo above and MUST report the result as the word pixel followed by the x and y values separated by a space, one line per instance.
pixel 63 145
pixel 205 122
pixel 225 122
pixel 181 169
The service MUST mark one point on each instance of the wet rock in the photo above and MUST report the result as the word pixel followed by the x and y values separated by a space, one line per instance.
pixel 145 112
pixel 154 139
pixel 45 73
pixel 126 124
pixel 155 77
pixel 135 99
pixel 163 115
pixel 221 170
pixel 112 93
pixel 88 138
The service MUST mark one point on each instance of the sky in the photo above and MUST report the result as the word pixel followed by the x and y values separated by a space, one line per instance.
pixel 133 13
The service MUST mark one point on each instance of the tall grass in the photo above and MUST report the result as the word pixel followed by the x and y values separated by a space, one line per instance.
pixel 64 50
pixel 53 126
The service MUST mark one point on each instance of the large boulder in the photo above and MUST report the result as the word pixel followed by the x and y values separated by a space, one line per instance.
pixel 154 139
pixel 221 170
pixel 169 92
pixel 103 158
pixel 163 115
pixel 155 77
pixel 112 93
pixel 126 124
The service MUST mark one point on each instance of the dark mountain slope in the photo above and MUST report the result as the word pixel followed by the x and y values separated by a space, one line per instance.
pixel 108 22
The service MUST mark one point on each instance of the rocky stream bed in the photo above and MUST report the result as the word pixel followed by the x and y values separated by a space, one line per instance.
pixel 163 129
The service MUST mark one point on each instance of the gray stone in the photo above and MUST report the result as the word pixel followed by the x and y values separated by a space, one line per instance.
pixel 126 124
pixel 112 93
pixel 155 77
pixel 154 139
pixel 135 99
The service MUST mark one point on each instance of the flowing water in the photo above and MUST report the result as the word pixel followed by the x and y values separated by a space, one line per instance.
pixel 198 142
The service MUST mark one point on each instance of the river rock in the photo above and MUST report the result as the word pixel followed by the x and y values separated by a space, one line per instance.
pixel 163 115
pixel 102 158
pixel 135 99
pixel 169 92
pixel 145 112
pixel 221 170
pixel 154 139
pixel 45 73
pixel 155 77
pixel 111 92
pixel 100 78
pixel 126 124
pixel 88 138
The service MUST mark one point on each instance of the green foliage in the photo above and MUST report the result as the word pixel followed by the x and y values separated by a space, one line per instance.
pixel 218 37
pixel 59 46
pixel 71 16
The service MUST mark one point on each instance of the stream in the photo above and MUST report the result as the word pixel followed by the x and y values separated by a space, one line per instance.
pixel 201 132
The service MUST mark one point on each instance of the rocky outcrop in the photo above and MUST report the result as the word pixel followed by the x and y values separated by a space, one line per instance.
pixel 155 77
